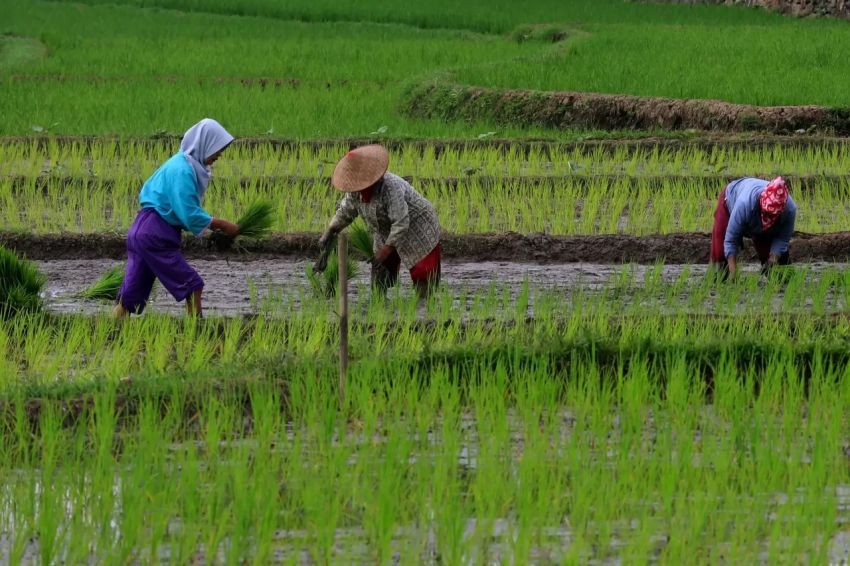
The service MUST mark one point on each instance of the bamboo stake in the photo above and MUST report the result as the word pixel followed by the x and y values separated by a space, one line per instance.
pixel 342 254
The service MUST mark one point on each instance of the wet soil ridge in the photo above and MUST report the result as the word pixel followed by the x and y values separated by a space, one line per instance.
pixel 834 8
pixel 615 111
pixel 534 248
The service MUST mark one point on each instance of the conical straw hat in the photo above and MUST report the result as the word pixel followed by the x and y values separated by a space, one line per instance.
pixel 360 168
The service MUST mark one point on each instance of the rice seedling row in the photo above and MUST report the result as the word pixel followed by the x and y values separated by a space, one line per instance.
pixel 134 159
pixel 503 457
pixel 633 207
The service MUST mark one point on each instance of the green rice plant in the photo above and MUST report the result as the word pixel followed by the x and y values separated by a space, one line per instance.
pixel 254 224
pixel 107 286
pixel 257 220
pixel 360 239
pixel 325 284
pixel 21 285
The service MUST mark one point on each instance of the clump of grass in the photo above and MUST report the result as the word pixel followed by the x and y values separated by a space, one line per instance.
pixel 360 239
pixel 106 288
pixel 20 284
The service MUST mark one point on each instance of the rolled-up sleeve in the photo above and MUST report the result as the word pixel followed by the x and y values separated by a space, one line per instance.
pixel 399 215
pixel 345 214
pixel 735 230
pixel 782 242
pixel 186 204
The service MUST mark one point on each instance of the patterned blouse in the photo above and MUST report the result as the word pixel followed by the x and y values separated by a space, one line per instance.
pixel 397 216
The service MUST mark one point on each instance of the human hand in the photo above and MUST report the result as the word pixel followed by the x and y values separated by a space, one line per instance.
pixel 321 262
pixel 383 254
pixel 732 263
pixel 222 225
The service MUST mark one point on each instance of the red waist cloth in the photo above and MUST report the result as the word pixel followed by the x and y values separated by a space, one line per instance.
pixel 428 267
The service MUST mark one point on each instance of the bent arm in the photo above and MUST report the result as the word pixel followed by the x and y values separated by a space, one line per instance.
pixel 782 241
pixel 186 204
pixel 345 214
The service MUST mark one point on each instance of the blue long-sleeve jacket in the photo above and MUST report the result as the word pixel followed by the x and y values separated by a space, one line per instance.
pixel 173 192
pixel 742 202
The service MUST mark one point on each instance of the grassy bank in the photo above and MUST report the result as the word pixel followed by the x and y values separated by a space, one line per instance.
pixel 318 70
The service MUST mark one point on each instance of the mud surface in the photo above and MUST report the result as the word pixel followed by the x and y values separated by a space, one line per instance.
pixel 234 288
pixel 533 248
pixel 238 288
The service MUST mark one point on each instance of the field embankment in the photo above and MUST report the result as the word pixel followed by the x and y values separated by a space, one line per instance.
pixel 538 248
pixel 801 8
pixel 564 110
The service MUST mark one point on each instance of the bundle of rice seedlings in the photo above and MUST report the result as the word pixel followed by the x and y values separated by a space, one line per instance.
pixel 254 224
pixel 325 284
pixel 257 220
pixel 360 239
pixel 106 288
pixel 20 284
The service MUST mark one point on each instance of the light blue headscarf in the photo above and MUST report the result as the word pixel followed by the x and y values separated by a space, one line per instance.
pixel 199 142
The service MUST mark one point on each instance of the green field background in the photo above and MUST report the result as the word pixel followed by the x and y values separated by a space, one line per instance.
pixel 335 69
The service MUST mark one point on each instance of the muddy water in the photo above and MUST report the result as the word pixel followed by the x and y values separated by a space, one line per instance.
pixel 236 288
pixel 231 285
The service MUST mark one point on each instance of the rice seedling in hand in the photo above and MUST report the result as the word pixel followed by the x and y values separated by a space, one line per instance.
pixel 20 284
pixel 324 283
pixel 254 224
pixel 360 239
pixel 106 288
pixel 257 220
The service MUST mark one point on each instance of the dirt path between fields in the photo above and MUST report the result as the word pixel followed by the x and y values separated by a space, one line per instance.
pixel 534 248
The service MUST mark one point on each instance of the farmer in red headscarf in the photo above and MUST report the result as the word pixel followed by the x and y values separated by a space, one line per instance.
pixel 404 225
pixel 757 209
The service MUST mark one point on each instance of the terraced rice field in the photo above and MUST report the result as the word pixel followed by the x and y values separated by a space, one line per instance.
pixel 581 389
pixel 531 411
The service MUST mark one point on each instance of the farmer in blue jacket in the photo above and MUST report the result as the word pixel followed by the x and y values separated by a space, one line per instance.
pixel 757 209
pixel 171 202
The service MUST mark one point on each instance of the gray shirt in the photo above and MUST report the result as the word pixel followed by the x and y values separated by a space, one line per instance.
pixel 397 216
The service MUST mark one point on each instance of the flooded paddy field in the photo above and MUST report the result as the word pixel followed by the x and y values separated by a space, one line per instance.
pixel 236 288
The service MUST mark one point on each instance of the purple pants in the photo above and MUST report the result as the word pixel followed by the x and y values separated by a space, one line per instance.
pixel 153 252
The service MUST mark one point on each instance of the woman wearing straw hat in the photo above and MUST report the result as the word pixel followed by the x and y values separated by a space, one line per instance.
pixel 758 209
pixel 404 225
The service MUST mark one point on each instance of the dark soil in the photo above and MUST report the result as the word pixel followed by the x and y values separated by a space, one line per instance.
pixel 535 248
pixel 564 110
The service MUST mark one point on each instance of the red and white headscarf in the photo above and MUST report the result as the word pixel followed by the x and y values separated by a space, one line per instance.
pixel 772 202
